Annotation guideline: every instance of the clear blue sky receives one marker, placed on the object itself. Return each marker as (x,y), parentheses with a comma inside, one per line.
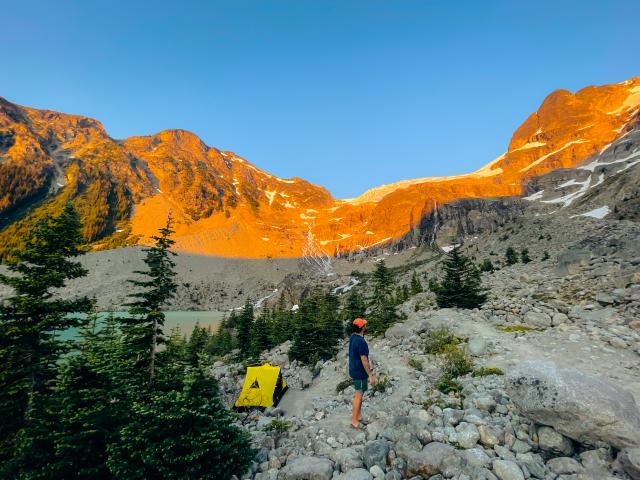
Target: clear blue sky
(346,94)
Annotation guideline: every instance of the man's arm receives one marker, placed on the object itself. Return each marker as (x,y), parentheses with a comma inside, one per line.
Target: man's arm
(365,364)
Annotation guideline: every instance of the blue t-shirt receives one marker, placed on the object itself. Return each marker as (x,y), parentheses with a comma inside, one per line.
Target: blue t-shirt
(357,347)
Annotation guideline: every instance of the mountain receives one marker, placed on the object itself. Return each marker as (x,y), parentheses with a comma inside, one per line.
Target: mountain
(225,206)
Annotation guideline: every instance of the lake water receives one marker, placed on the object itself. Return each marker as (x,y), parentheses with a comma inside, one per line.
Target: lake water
(184,319)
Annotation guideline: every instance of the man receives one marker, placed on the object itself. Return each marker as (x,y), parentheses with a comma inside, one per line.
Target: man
(359,369)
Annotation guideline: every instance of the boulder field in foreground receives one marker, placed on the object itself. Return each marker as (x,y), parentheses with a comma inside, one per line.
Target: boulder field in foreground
(581,406)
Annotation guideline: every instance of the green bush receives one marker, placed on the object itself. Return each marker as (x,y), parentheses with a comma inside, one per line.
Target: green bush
(417,364)
(518,328)
(343,385)
(277,426)
(439,340)
(456,362)
(485,371)
(381,385)
(446,384)
(486,266)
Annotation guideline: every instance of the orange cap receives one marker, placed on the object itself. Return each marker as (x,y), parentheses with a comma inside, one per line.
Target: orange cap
(359,322)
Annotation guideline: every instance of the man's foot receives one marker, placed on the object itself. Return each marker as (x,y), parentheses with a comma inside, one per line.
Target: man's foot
(357,426)
(362,421)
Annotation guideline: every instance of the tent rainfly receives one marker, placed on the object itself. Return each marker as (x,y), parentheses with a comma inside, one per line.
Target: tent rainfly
(263,387)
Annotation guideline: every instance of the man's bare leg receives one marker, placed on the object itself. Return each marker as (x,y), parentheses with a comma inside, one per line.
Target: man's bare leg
(356,408)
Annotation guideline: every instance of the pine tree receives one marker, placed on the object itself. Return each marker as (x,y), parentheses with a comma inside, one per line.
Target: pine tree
(243,330)
(486,266)
(305,345)
(461,286)
(32,319)
(260,335)
(416,286)
(280,324)
(524,255)
(511,256)
(176,346)
(328,320)
(383,311)
(143,330)
(181,434)
(197,344)
(354,307)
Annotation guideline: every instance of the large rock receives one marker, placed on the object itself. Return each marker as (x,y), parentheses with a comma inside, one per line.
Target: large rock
(552,441)
(580,406)
(572,261)
(537,319)
(629,458)
(376,453)
(467,434)
(307,468)
(507,470)
(430,461)
(398,331)
(346,458)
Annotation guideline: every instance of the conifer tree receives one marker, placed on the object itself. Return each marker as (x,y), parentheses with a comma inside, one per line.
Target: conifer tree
(176,346)
(416,286)
(461,286)
(143,330)
(328,319)
(196,345)
(280,324)
(305,345)
(32,318)
(511,256)
(524,255)
(383,311)
(243,329)
(182,433)
(354,307)
(260,335)
(486,266)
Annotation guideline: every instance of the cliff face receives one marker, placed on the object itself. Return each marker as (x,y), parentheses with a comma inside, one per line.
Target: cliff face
(223,205)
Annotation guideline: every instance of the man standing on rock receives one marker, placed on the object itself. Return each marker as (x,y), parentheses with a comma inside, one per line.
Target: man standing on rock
(359,369)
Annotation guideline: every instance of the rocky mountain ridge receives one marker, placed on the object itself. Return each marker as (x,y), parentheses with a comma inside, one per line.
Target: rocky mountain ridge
(225,206)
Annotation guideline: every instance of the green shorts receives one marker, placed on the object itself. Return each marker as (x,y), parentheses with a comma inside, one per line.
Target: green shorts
(361,385)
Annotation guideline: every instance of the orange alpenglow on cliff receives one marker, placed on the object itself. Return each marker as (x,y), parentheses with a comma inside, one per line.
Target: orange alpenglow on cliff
(225,206)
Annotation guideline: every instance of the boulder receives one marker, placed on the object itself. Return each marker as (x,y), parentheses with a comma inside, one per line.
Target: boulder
(488,437)
(376,453)
(580,406)
(346,458)
(552,441)
(468,435)
(430,460)
(398,331)
(572,261)
(537,319)
(564,466)
(507,470)
(629,458)
(307,468)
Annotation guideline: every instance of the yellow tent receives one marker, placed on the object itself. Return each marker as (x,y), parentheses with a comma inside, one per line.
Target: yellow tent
(263,387)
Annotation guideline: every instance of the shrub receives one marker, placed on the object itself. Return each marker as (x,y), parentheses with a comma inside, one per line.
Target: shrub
(456,362)
(343,385)
(439,340)
(545,255)
(486,266)
(446,384)
(277,426)
(518,328)
(485,371)
(381,385)
(417,364)
(511,256)
(524,255)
